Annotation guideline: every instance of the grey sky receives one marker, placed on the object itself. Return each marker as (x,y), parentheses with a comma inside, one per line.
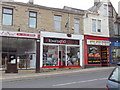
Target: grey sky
(80,4)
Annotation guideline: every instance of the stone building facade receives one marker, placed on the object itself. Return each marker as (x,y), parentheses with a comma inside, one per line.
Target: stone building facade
(114,27)
(45,18)
(27,30)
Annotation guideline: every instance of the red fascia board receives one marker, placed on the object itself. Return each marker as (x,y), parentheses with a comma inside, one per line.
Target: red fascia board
(96,37)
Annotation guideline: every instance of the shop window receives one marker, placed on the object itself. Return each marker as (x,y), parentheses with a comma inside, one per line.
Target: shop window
(116,54)
(73,56)
(76,26)
(94,55)
(104,55)
(32,19)
(7,16)
(50,55)
(57,23)
(23,50)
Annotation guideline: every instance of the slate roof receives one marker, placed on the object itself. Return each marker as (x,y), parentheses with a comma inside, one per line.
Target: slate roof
(95,8)
(81,12)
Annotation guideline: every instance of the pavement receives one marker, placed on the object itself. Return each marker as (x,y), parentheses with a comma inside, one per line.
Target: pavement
(26,74)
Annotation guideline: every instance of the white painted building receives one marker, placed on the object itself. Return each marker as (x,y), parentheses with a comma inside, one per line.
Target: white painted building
(96,19)
(96,31)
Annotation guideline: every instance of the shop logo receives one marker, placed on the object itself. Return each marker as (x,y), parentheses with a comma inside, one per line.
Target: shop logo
(6,33)
(98,42)
(25,34)
(61,41)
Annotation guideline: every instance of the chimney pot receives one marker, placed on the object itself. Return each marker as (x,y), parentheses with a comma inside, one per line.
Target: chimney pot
(96,1)
(31,2)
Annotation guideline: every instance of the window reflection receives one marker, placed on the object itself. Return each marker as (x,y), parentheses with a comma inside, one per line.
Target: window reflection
(73,55)
(7,16)
(116,54)
(32,19)
(24,51)
(50,55)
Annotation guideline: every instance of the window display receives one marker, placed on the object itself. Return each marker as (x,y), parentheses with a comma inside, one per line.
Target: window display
(94,55)
(61,52)
(73,55)
(54,55)
(116,54)
(50,55)
(104,55)
(21,50)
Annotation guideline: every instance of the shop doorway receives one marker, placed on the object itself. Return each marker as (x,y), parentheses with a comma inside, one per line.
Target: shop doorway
(104,55)
(62,56)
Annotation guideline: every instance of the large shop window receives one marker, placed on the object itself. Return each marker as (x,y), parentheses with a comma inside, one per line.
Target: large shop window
(22,50)
(50,55)
(73,56)
(94,55)
(98,55)
(61,55)
(116,54)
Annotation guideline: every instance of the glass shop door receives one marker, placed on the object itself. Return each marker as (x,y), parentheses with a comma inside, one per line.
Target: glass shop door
(62,55)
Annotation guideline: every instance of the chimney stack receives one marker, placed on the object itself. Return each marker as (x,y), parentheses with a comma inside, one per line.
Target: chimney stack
(119,8)
(96,2)
(31,2)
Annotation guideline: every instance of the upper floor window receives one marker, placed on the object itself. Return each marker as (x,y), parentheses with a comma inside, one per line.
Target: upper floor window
(93,25)
(105,10)
(99,26)
(57,23)
(119,29)
(76,26)
(116,29)
(7,16)
(96,25)
(110,9)
(32,19)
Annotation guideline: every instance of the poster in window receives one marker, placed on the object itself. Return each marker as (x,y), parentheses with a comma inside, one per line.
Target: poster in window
(93,55)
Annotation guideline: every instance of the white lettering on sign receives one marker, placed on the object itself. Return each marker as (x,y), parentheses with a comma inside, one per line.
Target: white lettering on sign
(98,42)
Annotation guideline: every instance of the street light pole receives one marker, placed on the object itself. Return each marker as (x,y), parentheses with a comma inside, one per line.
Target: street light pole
(38,56)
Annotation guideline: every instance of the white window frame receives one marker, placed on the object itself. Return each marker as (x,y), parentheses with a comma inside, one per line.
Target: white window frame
(116,29)
(7,14)
(96,26)
(105,11)
(76,25)
(57,22)
(32,17)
